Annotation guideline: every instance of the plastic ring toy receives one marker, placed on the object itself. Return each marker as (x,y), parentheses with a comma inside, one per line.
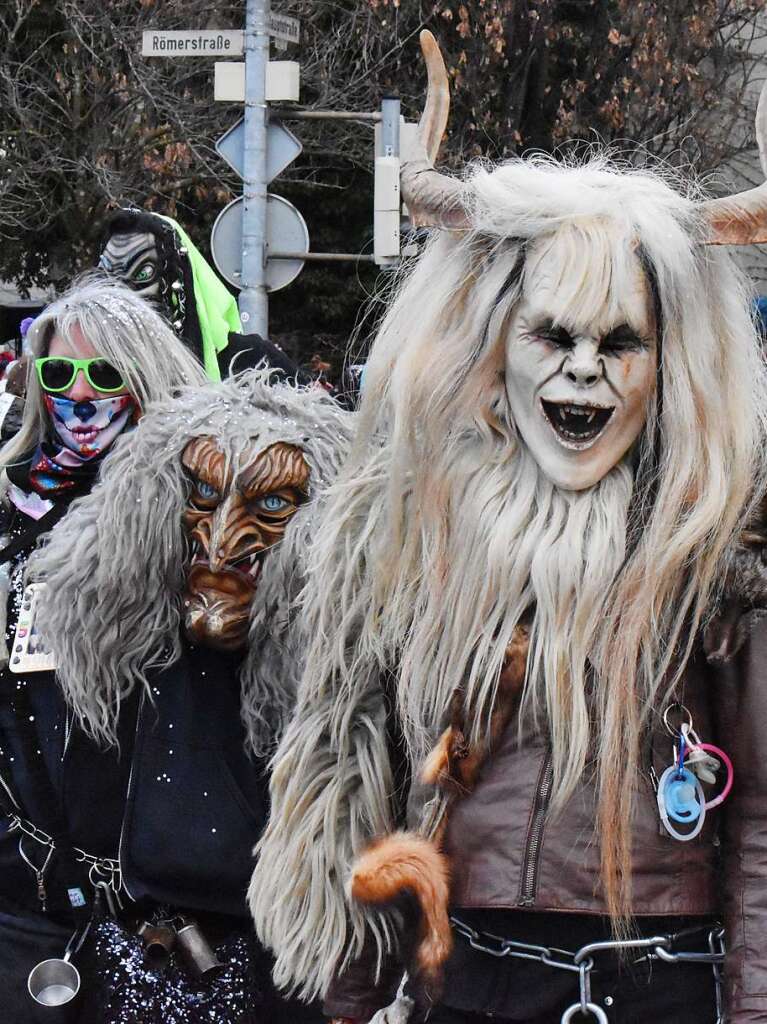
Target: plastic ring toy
(724,758)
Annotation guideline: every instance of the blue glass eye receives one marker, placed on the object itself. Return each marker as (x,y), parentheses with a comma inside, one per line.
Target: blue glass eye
(272,503)
(206,490)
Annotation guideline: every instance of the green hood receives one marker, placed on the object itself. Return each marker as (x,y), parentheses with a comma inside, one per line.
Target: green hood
(216,306)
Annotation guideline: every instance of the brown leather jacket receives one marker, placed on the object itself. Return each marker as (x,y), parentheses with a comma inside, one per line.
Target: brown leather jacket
(507,851)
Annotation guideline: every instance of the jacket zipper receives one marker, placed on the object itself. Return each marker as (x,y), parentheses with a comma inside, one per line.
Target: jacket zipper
(127,796)
(535,834)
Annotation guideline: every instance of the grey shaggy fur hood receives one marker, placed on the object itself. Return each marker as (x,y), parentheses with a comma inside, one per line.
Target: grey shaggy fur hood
(115,564)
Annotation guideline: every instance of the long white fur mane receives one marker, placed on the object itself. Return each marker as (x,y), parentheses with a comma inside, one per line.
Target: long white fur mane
(441,531)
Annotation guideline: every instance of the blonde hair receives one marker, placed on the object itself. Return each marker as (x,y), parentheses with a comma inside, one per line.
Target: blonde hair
(123,328)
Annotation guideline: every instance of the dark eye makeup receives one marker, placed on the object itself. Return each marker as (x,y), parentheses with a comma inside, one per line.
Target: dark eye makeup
(622,339)
(555,335)
(617,341)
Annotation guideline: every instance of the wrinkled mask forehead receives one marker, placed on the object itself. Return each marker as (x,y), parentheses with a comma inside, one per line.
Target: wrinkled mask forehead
(133,258)
(581,355)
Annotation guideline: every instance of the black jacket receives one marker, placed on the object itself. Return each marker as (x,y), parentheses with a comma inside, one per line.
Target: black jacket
(179,802)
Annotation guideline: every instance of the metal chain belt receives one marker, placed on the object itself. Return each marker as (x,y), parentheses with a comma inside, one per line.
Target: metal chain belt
(100,869)
(581,962)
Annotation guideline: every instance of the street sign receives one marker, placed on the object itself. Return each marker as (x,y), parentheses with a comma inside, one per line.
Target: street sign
(282,148)
(213,42)
(284,28)
(286,231)
(283,78)
(193,43)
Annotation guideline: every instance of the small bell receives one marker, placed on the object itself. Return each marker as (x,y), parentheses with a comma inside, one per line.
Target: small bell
(196,950)
(178,324)
(159,942)
(177,286)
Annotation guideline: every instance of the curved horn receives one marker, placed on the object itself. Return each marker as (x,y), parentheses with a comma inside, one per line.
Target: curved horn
(433,121)
(742,219)
(432,199)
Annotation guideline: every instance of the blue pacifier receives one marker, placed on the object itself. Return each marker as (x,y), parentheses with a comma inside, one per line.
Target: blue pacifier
(680,797)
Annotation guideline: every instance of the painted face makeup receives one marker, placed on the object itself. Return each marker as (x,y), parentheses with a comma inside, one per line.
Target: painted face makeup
(134,259)
(89,428)
(579,380)
(232,520)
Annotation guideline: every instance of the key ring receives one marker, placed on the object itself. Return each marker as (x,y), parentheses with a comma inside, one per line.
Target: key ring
(677,706)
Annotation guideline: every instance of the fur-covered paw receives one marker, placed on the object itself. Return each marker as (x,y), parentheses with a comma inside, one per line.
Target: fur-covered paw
(406,863)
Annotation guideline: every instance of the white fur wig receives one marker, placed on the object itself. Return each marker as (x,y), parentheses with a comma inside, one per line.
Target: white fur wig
(116,563)
(442,531)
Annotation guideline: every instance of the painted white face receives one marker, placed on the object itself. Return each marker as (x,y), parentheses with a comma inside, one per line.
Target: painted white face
(579,385)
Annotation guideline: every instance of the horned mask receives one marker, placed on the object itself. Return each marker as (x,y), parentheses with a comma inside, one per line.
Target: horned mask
(581,371)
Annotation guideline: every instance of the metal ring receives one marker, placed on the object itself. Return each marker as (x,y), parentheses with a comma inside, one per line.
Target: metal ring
(596,1012)
(676,706)
(585,984)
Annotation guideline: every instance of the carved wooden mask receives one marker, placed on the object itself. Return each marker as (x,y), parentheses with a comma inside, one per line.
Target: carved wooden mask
(235,515)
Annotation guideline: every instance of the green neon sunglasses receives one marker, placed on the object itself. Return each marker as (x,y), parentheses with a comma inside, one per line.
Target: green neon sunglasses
(58,373)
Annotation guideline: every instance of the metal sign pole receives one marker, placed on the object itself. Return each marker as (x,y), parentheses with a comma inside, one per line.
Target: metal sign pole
(254,301)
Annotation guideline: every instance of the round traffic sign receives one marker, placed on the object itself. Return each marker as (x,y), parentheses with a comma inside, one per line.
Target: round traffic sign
(286,231)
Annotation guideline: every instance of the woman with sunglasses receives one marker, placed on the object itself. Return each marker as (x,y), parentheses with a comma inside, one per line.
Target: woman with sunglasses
(99,356)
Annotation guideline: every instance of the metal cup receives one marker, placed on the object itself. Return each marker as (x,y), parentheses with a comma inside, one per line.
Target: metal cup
(54,982)
(197,952)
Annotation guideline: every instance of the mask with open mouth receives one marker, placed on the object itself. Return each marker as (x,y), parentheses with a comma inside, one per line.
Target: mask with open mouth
(577,425)
(579,376)
(234,516)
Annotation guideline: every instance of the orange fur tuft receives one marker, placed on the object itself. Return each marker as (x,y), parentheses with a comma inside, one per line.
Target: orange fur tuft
(403,862)
(438,761)
(438,767)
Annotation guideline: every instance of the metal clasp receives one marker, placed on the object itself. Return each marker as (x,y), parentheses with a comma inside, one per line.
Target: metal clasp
(591,1008)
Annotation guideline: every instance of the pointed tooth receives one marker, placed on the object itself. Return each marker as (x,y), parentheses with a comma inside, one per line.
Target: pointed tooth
(591,416)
